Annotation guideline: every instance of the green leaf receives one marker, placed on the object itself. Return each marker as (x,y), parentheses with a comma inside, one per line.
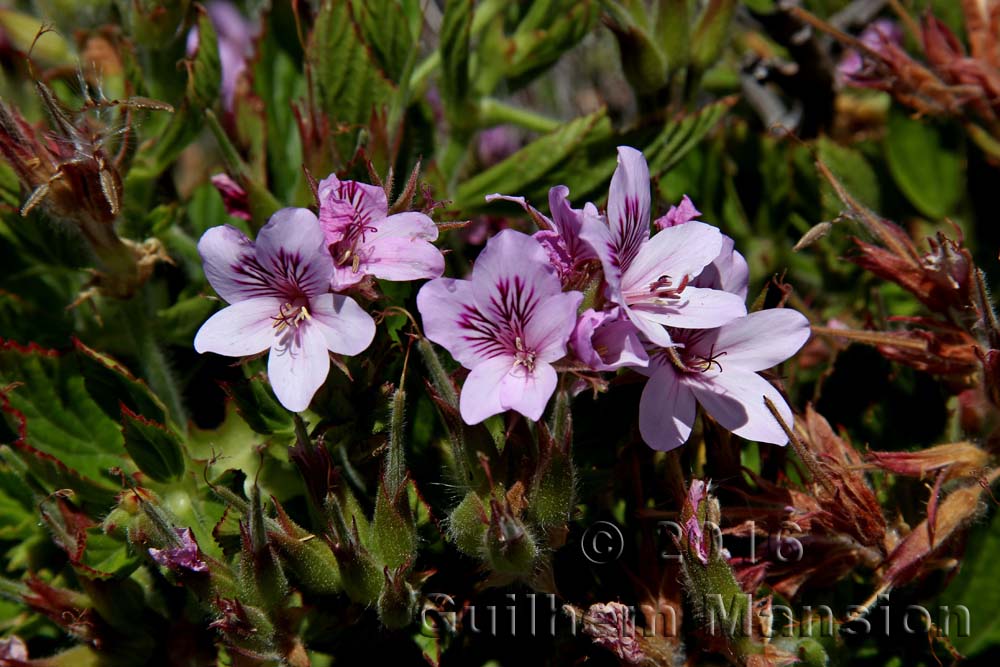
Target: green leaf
(528,171)
(62,435)
(387,27)
(256,403)
(925,162)
(853,171)
(348,84)
(456,27)
(682,133)
(975,589)
(155,448)
(111,385)
(547,31)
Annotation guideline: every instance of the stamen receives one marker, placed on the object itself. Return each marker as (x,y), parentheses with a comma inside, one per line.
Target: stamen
(523,357)
(289,316)
(664,288)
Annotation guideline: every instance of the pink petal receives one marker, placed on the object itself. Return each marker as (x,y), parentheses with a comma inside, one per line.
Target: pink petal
(729,271)
(409,225)
(620,345)
(480,396)
(229,258)
(528,392)
(762,339)
(697,308)
(677,252)
(347,328)
(298,365)
(447,307)
(541,220)
(666,411)
(569,222)
(548,332)
(735,399)
(400,258)
(628,205)
(678,215)
(343,203)
(511,276)
(239,330)
(292,247)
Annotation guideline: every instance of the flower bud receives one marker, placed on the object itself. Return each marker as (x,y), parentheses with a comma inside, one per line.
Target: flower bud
(510,546)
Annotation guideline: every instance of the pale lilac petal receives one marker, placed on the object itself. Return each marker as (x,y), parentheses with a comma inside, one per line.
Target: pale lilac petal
(696,308)
(666,411)
(676,252)
(678,215)
(762,339)
(652,330)
(292,247)
(619,345)
(528,392)
(409,224)
(735,399)
(628,205)
(234,197)
(547,333)
(596,234)
(511,276)
(729,271)
(345,203)
(480,397)
(345,276)
(347,328)
(239,330)
(398,258)
(298,365)
(556,248)
(605,342)
(231,267)
(451,320)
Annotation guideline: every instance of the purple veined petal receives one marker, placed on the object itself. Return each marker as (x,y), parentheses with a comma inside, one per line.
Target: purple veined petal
(298,365)
(343,203)
(230,262)
(556,249)
(581,340)
(547,333)
(735,399)
(480,397)
(676,252)
(528,392)
(409,225)
(543,221)
(596,234)
(447,307)
(398,258)
(292,247)
(568,223)
(628,206)
(666,411)
(239,330)
(511,276)
(619,346)
(697,308)
(761,339)
(345,325)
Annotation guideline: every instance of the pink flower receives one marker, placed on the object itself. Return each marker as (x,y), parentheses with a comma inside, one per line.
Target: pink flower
(678,215)
(882,37)
(186,556)
(605,341)
(560,234)
(365,240)
(650,278)
(506,325)
(236,36)
(234,196)
(718,369)
(728,272)
(279,291)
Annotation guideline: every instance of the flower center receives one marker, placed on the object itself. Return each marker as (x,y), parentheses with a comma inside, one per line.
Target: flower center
(290,316)
(664,287)
(523,356)
(690,362)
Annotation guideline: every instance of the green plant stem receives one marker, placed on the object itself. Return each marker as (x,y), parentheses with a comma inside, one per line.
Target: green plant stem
(495,112)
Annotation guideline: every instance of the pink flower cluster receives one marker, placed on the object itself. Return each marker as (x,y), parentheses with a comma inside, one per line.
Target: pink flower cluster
(284,289)
(671,305)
